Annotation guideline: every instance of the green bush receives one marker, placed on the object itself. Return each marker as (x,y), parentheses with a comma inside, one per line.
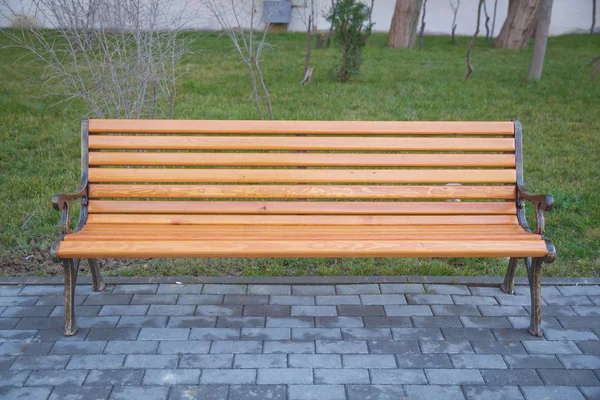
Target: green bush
(351,30)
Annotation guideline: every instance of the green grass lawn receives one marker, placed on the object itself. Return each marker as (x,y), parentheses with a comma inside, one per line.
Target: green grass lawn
(560,114)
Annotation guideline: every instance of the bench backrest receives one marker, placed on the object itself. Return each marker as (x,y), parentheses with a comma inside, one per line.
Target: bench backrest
(300,173)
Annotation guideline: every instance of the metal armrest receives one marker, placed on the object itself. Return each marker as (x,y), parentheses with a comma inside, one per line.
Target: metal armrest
(60,200)
(541,202)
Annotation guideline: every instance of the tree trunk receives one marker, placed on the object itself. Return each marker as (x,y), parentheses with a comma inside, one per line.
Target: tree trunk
(541,37)
(519,25)
(403,31)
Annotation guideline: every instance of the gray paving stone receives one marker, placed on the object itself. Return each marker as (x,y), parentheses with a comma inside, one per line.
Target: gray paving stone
(50,300)
(316,333)
(131,347)
(407,311)
(452,309)
(142,322)
(584,290)
(510,377)
(387,322)
(565,377)
(79,347)
(591,392)
(546,291)
(315,360)
(260,361)
(154,377)
(444,346)
(214,334)
(551,392)
(485,322)
(418,299)
(567,300)
(570,334)
(342,346)
(454,377)
(41,290)
(478,361)
(266,334)
(526,361)
(17,334)
(6,362)
(56,378)
(192,322)
(472,334)
(171,310)
(493,393)
(383,299)
(396,376)
(241,322)
(244,299)
(589,346)
(169,288)
(423,361)
(135,289)
(271,290)
(184,347)
(292,300)
(39,362)
(80,393)
(139,392)
(375,392)
(393,346)
(8,323)
(272,311)
(555,311)
(151,361)
(366,333)
(448,289)
(401,288)
(580,361)
(154,299)
(313,311)
(316,392)
(313,290)
(288,376)
(164,334)
(340,299)
(13,378)
(437,322)
(357,289)
(586,311)
(119,377)
(96,361)
(224,289)
(524,322)
(502,311)
(339,322)
(10,290)
(354,310)
(290,322)
(200,299)
(18,348)
(554,347)
(82,311)
(108,299)
(514,335)
(27,311)
(577,322)
(368,361)
(204,361)
(113,334)
(516,300)
(254,392)
(500,347)
(13,393)
(475,300)
(330,376)
(236,346)
(417,334)
(123,310)
(18,301)
(232,310)
(288,347)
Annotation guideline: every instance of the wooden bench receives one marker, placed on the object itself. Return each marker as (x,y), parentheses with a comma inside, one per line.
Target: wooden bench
(301,189)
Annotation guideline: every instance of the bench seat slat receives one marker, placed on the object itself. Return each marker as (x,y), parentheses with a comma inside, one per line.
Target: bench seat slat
(130,175)
(210,219)
(302,248)
(301,191)
(300,159)
(303,127)
(295,207)
(128,142)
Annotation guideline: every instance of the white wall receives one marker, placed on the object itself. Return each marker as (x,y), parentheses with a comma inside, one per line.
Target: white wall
(568,16)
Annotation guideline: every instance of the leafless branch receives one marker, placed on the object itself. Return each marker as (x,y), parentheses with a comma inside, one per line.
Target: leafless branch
(455,13)
(487,20)
(469,66)
(422,31)
(494,18)
(594,6)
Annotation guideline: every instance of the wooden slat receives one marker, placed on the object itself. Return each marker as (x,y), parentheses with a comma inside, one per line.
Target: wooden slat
(130,175)
(210,219)
(302,248)
(293,207)
(302,127)
(300,191)
(98,142)
(300,159)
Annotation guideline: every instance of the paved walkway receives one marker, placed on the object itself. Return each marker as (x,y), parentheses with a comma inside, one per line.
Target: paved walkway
(362,341)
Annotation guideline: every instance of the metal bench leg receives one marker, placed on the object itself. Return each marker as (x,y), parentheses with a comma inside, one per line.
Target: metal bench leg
(97,282)
(509,280)
(70,267)
(534,273)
